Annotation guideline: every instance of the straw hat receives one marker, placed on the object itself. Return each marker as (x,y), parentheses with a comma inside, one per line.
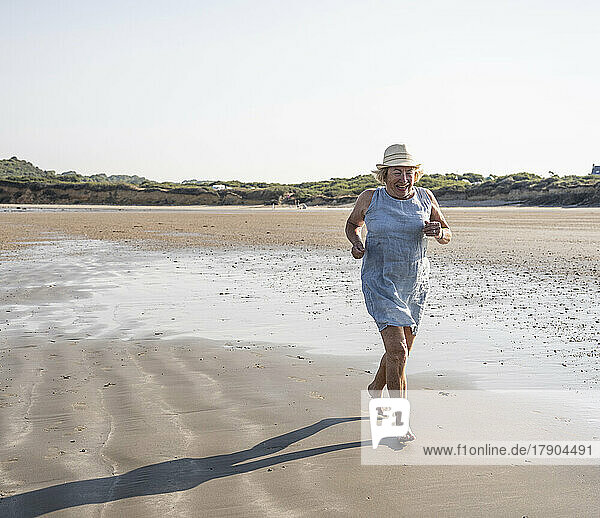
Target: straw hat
(397,155)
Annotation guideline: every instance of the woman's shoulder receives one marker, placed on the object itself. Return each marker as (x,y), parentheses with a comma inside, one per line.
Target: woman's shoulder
(362,204)
(371,190)
(367,194)
(426,194)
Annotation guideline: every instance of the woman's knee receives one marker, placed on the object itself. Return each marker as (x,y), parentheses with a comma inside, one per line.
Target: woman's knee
(397,353)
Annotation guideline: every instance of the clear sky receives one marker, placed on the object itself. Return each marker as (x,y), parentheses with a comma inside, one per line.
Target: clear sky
(299,90)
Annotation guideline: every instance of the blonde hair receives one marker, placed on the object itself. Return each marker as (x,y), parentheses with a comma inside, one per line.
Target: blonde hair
(381,174)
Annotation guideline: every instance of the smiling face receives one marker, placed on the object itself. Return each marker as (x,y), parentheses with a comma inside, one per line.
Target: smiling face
(399,181)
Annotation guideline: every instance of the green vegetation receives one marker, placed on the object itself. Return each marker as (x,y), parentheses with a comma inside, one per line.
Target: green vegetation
(17,170)
(526,187)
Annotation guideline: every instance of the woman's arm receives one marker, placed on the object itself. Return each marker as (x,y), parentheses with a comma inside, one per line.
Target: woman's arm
(438,226)
(356,220)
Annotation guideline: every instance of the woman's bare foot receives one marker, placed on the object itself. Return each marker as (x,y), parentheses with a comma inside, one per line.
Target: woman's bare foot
(409,436)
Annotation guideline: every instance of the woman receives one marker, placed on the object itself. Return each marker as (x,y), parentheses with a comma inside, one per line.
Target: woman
(395,270)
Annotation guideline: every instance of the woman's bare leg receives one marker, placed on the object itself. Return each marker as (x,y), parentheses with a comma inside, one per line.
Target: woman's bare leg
(396,351)
(376,386)
(398,342)
(410,338)
(378,383)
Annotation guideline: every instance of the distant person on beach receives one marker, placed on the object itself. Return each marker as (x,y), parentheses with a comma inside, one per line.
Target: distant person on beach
(395,269)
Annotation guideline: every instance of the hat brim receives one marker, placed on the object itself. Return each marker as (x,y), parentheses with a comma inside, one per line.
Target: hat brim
(396,163)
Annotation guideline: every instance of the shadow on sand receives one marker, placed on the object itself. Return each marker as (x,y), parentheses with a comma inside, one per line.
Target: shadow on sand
(170,476)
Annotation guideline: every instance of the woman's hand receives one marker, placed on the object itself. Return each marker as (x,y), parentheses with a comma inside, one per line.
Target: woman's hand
(358,250)
(432,229)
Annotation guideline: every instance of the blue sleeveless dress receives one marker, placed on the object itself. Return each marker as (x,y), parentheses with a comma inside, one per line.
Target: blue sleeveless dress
(395,270)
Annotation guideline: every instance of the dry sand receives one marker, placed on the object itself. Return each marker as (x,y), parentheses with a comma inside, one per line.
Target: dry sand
(552,238)
(166,425)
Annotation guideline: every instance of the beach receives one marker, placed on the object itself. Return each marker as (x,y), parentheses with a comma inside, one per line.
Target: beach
(209,361)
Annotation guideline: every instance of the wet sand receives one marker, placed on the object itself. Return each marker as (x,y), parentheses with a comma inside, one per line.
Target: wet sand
(106,411)
(155,427)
